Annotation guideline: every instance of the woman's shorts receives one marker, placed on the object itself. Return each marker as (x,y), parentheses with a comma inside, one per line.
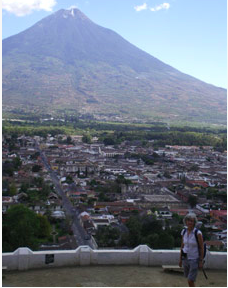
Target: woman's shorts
(191,267)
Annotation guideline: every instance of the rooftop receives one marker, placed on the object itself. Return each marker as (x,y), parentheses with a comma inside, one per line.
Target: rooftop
(108,276)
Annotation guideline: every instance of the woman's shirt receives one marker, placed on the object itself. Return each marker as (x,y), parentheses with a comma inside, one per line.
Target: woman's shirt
(190,244)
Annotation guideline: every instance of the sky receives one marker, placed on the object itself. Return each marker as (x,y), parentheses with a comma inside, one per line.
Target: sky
(190,35)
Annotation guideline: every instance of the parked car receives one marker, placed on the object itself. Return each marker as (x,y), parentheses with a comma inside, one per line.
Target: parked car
(87,237)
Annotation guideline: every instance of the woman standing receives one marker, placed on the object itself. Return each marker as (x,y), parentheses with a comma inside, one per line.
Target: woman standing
(191,256)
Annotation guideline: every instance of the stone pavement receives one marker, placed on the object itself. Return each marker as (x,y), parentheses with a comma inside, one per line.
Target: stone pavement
(108,276)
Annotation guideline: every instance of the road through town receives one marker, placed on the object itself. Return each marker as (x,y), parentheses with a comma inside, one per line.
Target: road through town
(79,232)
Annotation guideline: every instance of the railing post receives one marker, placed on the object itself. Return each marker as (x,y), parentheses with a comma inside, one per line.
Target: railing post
(144,255)
(23,255)
(85,256)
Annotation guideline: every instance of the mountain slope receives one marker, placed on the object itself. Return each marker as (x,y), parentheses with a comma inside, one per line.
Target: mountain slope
(66,61)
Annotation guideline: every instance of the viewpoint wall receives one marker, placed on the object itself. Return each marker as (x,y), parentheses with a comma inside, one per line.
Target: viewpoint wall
(24,258)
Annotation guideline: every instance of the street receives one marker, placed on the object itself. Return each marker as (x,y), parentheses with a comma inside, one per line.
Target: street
(72,212)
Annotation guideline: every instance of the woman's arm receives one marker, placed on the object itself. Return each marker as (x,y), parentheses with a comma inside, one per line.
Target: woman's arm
(182,246)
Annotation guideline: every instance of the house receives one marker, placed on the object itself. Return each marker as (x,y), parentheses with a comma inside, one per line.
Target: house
(116,207)
(101,222)
(38,207)
(89,226)
(58,215)
(7,202)
(53,196)
(110,152)
(55,205)
(183,194)
(124,217)
(113,204)
(74,194)
(220,215)
(197,183)
(21,197)
(67,242)
(215,244)
(184,211)
(164,213)
(76,138)
(204,207)
(83,217)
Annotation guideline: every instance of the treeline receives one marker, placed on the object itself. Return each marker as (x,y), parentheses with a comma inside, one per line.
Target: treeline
(74,122)
(114,134)
(157,234)
(141,230)
(150,231)
(17,129)
(167,138)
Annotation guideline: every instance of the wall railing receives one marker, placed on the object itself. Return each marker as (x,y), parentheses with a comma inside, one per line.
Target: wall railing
(24,259)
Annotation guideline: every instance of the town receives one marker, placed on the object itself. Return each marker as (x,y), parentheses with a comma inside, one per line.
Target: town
(91,193)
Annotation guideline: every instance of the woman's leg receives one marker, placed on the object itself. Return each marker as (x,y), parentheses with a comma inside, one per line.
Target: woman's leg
(193,271)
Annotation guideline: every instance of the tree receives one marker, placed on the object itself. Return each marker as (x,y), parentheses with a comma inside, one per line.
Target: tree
(69,140)
(178,218)
(12,190)
(38,181)
(35,155)
(147,159)
(44,227)
(17,163)
(134,235)
(204,230)
(7,169)
(93,182)
(109,141)
(151,225)
(122,180)
(69,179)
(48,214)
(153,240)
(183,178)
(192,200)
(194,168)
(36,168)
(167,175)
(20,228)
(102,197)
(175,231)
(166,241)
(106,236)
(86,139)
(5,187)
(24,187)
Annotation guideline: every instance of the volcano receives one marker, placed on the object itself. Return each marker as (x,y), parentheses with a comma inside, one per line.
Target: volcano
(66,62)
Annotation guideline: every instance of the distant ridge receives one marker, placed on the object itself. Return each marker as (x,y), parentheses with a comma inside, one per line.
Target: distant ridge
(66,61)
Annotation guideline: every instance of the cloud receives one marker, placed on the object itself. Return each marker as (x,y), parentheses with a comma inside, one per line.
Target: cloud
(160,7)
(144,6)
(25,7)
(72,7)
(140,8)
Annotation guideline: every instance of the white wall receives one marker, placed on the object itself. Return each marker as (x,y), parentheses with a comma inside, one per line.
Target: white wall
(24,258)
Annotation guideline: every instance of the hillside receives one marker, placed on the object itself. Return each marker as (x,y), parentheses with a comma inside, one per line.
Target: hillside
(67,62)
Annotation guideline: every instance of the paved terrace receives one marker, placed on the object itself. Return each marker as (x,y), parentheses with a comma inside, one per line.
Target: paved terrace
(108,276)
(84,267)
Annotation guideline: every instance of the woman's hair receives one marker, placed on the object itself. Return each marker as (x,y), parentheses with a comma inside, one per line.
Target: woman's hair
(190,216)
